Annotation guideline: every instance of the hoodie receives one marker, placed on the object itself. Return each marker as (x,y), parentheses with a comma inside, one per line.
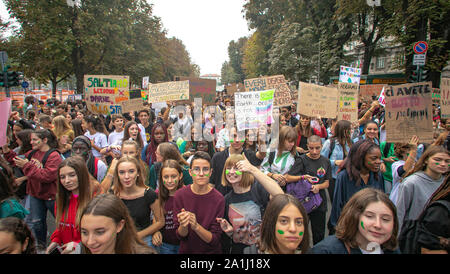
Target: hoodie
(413,195)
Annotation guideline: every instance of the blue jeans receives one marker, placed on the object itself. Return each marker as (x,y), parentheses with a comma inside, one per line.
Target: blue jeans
(168,249)
(38,220)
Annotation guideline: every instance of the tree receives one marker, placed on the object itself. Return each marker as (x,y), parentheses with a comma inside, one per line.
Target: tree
(227,73)
(253,55)
(236,56)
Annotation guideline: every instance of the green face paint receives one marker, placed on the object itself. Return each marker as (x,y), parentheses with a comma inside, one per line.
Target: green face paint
(238,172)
(175,181)
(437,164)
(227,171)
(243,140)
(206,174)
(232,140)
(362,225)
(301,233)
(195,175)
(369,163)
(281,232)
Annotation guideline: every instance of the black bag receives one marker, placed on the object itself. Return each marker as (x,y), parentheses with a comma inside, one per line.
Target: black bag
(408,237)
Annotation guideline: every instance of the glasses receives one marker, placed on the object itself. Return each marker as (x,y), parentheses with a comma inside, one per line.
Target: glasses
(205,170)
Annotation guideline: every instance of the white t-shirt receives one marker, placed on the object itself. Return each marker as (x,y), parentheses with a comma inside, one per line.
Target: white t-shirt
(115,138)
(100,141)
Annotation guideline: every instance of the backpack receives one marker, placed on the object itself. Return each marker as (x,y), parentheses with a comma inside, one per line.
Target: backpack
(332,145)
(22,190)
(409,235)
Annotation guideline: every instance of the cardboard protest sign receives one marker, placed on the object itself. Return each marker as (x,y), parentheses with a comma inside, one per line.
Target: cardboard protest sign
(105,93)
(253,109)
(315,100)
(5,111)
(200,88)
(366,92)
(135,102)
(409,112)
(348,102)
(282,95)
(233,88)
(445,98)
(349,75)
(168,91)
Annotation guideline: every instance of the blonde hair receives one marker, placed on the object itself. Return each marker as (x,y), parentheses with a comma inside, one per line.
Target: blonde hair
(247,178)
(60,126)
(117,186)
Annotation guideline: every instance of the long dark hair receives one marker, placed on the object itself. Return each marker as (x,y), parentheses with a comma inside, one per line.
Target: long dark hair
(355,160)
(126,134)
(77,128)
(97,123)
(25,137)
(152,146)
(52,141)
(163,192)
(342,133)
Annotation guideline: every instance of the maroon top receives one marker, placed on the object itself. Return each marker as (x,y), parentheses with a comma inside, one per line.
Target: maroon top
(207,208)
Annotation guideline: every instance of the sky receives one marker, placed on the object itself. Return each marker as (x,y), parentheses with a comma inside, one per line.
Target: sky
(205,26)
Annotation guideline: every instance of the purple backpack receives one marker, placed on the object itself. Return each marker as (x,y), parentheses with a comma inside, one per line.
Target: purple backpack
(302,191)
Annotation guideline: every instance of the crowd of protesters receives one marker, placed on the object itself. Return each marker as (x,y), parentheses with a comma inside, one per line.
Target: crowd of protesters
(166,181)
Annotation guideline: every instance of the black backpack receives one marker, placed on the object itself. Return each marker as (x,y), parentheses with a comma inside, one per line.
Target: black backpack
(22,190)
(409,235)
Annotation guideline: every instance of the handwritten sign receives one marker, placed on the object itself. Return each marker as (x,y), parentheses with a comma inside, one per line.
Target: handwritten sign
(348,102)
(315,100)
(409,112)
(349,75)
(5,111)
(135,102)
(233,88)
(253,109)
(367,92)
(169,91)
(282,95)
(382,98)
(445,98)
(104,93)
(200,88)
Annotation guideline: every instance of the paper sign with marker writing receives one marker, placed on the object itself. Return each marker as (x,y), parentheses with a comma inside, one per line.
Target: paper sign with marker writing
(105,93)
(348,102)
(445,98)
(168,91)
(315,101)
(349,75)
(253,109)
(5,110)
(409,111)
(282,96)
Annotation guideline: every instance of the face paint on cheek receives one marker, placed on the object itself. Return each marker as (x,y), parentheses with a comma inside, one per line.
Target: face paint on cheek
(243,140)
(206,174)
(301,233)
(227,172)
(362,225)
(369,162)
(238,172)
(281,232)
(437,164)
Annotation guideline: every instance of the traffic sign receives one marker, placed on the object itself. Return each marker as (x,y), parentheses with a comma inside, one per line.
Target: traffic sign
(419,59)
(25,84)
(420,47)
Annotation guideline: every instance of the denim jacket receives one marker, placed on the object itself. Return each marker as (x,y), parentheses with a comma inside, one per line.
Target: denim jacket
(337,154)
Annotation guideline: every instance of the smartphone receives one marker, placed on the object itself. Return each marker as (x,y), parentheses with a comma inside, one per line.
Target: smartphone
(56,250)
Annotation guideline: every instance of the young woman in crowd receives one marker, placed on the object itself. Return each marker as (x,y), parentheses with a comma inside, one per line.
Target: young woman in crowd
(132,133)
(421,182)
(16,237)
(245,204)
(361,169)
(96,132)
(77,127)
(370,133)
(74,192)
(109,215)
(171,178)
(166,151)
(40,166)
(277,163)
(81,146)
(140,200)
(405,160)
(304,130)
(64,133)
(336,149)
(159,135)
(368,225)
(284,229)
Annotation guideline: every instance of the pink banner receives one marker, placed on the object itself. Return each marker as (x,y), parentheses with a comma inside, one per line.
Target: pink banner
(5,111)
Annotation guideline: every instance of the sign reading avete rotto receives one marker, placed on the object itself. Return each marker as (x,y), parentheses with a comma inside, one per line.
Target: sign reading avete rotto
(104,93)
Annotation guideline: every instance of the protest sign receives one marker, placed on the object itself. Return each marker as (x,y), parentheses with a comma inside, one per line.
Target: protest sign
(315,100)
(348,102)
(135,102)
(436,96)
(168,91)
(5,111)
(145,82)
(104,93)
(409,112)
(445,98)
(382,98)
(349,75)
(253,109)
(233,88)
(367,92)
(282,95)
(200,88)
